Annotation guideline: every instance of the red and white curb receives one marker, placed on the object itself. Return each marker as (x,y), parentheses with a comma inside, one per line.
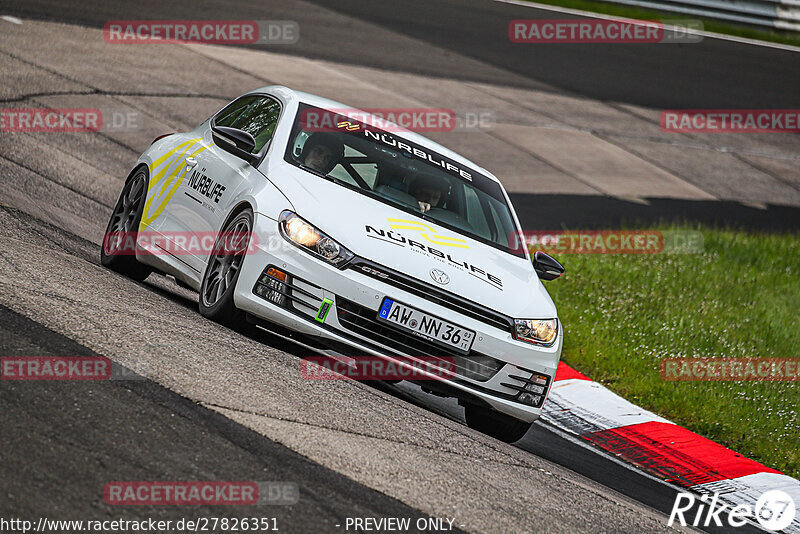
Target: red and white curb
(580,406)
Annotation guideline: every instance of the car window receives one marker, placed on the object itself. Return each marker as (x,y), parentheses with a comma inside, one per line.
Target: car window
(255,114)
(367,171)
(359,169)
(411,177)
(476,215)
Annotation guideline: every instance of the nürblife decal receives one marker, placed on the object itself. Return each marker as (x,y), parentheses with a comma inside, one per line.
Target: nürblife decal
(456,260)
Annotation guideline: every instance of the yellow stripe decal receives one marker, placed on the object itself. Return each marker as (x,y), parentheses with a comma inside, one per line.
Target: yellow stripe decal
(169,179)
(168,173)
(171,158)
(432,236)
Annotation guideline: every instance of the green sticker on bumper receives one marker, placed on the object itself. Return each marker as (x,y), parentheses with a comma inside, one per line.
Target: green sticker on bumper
(323,310)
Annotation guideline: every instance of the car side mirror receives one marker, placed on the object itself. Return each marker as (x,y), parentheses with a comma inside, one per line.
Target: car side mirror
(546,266)
(238,142)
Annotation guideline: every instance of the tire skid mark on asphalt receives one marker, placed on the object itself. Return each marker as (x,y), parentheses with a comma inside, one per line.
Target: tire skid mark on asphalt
(64,168)
(78,247)
(34,95)
(105,92)
(30,183)
(222,409)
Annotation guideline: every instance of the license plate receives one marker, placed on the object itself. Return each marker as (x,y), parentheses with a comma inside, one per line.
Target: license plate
(426,326)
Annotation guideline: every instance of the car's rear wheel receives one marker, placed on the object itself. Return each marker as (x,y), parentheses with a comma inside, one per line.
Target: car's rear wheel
(118,249)
(222,271)
(495,424)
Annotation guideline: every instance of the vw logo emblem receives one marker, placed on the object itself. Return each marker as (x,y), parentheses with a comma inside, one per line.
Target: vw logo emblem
(440,277)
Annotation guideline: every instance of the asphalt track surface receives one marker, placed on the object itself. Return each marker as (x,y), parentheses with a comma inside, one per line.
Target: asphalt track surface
(75,437)
(709,74)
(65,440)
(467,40)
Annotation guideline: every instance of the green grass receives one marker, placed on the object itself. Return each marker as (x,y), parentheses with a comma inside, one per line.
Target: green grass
(711,25)
(740,297)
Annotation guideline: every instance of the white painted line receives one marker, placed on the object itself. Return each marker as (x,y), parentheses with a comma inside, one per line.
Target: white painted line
(703,33)
(13,20)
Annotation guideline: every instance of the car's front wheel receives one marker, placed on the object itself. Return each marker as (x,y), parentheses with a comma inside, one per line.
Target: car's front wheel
(222,271)
(495,424)
(118,251)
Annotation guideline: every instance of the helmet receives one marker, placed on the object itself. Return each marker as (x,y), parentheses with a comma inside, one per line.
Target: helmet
(327,140)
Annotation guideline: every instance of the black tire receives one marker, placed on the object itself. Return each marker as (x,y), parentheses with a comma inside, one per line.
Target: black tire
(222,273)
(124,222)
(495,424)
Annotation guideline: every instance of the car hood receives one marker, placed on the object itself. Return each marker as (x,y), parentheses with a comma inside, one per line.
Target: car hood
(415,246)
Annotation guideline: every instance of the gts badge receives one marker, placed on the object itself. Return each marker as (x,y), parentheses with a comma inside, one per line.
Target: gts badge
(206,186)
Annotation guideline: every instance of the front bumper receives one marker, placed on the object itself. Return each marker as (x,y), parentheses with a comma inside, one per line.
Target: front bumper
(356,298)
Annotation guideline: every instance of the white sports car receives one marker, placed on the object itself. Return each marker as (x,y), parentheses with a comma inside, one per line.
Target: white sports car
(364,241)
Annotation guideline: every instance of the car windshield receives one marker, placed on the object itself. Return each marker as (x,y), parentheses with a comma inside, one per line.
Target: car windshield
(403,174)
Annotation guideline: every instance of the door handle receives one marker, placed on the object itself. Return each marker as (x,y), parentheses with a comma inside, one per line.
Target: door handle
(191,162)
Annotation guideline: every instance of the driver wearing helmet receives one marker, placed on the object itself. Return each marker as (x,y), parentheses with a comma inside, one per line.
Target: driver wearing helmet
(322,152)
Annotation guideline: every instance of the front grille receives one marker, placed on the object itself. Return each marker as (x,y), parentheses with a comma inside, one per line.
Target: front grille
(526,392)
(533,388)
(432,293)
(362,320)
(293,294)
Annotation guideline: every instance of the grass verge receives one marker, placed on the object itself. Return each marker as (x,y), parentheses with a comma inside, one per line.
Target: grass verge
(740,297)
(710,25)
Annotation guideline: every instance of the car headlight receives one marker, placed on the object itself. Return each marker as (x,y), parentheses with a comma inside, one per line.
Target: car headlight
(309,238)
(538,331)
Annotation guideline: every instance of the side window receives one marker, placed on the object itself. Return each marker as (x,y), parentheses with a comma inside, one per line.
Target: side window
(233,110)
(255,114)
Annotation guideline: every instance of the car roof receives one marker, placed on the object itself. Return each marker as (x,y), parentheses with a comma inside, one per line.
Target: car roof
(326,103)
